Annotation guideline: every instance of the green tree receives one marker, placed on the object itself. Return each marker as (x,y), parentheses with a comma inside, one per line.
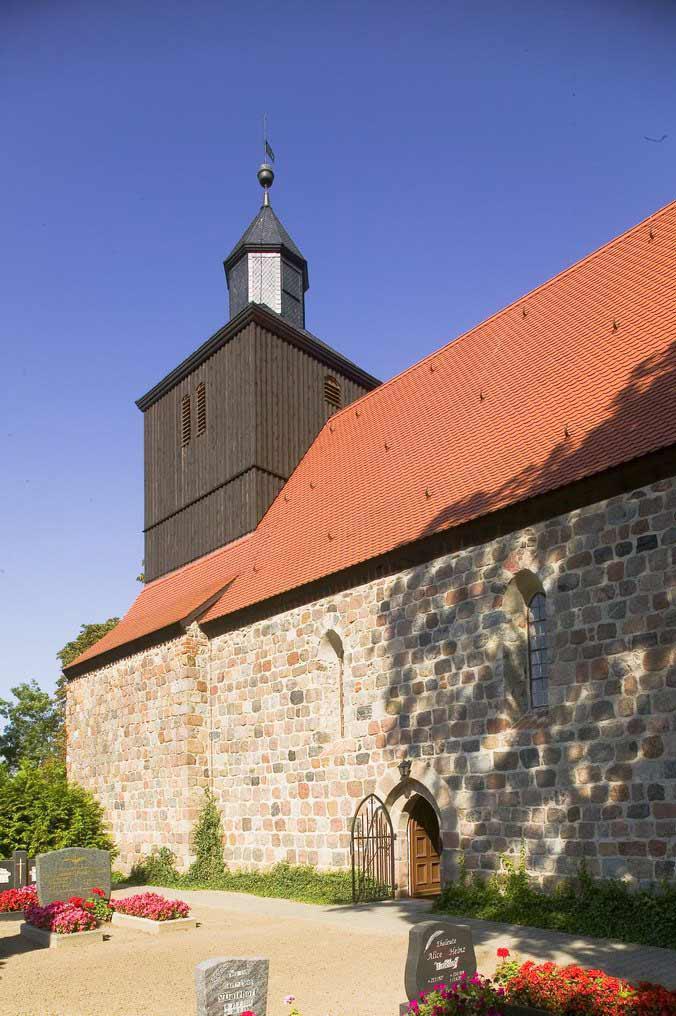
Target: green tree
(89,634)
(41,811)
(32,726)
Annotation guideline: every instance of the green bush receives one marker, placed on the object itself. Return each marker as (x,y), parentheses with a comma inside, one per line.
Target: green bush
(158,868)
(207,843)
(40,811)
(284,881)
(581,906)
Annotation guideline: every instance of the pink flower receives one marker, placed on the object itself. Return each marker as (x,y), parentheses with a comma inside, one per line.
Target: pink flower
(153,906)
(289,999)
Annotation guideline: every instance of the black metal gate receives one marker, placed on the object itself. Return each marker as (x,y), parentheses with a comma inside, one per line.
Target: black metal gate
(372,852)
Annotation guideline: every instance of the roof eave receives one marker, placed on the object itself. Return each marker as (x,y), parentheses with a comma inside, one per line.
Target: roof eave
(266,317)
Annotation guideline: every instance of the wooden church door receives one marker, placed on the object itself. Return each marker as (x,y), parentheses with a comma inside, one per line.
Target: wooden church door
(423,830)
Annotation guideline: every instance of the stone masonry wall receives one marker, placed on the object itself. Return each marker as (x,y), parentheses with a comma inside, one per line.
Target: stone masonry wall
(433,664)
(137,737)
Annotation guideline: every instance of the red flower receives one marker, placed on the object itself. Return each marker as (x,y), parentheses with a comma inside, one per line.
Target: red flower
(503,952)
(98,892)
(77,901)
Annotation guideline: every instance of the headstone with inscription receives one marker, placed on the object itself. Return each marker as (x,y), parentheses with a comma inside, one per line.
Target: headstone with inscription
(438,953)
(74,871)
(228,987)
(15,871)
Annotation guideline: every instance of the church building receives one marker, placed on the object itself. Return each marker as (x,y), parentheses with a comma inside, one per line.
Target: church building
(396,626)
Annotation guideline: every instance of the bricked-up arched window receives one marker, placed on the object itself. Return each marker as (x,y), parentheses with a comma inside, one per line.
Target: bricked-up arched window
(538,651)
(332,693)
(201,393)
(185,421)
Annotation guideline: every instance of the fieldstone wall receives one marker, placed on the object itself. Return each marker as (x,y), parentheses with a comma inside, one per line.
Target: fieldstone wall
(431,663)
(138,738)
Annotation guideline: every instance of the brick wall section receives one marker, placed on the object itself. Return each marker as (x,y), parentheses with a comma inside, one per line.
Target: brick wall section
(433,658)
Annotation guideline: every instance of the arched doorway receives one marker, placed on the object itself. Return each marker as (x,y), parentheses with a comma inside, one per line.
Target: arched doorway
(401,797)
(424,844)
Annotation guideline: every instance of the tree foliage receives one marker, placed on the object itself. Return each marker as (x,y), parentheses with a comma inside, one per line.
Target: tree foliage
(32,726)
(40,811)
(89,634)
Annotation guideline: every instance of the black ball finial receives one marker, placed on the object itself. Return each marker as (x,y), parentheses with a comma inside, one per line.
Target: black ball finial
(266,175)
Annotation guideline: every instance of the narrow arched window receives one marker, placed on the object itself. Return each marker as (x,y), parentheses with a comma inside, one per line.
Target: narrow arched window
(185,421)
(332,392)
(538,651)
(201,393)
(330,658)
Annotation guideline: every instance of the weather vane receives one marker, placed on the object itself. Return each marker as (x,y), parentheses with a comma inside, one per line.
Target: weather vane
(266,174)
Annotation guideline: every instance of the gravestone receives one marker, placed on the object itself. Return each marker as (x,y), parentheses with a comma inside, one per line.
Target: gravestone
(74,871)
(438,953)
(228,987)
(14,872)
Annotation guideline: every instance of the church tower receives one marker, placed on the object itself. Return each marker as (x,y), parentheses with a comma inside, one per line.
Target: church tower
(224,430)
(266,266)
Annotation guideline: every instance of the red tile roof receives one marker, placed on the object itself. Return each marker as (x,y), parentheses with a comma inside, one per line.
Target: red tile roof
(574,378)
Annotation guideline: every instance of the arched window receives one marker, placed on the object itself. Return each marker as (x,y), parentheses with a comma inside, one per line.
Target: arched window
(538,651)
(332,393)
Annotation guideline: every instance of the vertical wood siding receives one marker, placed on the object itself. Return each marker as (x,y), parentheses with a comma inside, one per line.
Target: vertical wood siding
(265,405)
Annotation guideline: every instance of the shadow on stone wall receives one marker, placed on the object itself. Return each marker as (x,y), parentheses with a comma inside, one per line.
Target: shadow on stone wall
(443,691)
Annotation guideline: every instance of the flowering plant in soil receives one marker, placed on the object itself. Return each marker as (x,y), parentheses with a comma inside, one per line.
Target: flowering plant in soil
(76,914)
(63,918)
(573,989)
(97,904)
(12,900)
(153,906)
(468,996)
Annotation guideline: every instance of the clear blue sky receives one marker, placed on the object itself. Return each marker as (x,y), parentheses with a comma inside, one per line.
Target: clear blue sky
(434,161)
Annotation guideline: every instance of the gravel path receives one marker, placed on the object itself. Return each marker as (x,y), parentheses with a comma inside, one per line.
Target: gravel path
(335,960)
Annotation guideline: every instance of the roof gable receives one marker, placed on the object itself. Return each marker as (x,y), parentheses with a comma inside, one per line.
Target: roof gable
(575,378)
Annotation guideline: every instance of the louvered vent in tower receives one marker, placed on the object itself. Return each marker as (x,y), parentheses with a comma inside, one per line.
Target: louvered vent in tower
(185,421)
(201,408)
(332,393)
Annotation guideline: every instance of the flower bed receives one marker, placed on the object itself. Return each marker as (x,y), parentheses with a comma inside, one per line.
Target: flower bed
(16,900)
(585,992)
(152,906)
(546,987)
(62,918)
(76,914)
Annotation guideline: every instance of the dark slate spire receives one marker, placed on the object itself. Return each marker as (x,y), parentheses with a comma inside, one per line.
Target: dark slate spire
(266,266)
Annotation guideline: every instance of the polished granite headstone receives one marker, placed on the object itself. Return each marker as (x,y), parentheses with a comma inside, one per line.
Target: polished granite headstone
(15,871)
(74,871)
(438,953)
(228,987)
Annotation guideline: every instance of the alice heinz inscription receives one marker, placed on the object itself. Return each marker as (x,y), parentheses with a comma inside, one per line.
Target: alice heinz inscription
(438,953)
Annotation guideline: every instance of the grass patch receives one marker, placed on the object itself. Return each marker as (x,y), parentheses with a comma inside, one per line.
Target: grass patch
(581,906)
(283,881)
